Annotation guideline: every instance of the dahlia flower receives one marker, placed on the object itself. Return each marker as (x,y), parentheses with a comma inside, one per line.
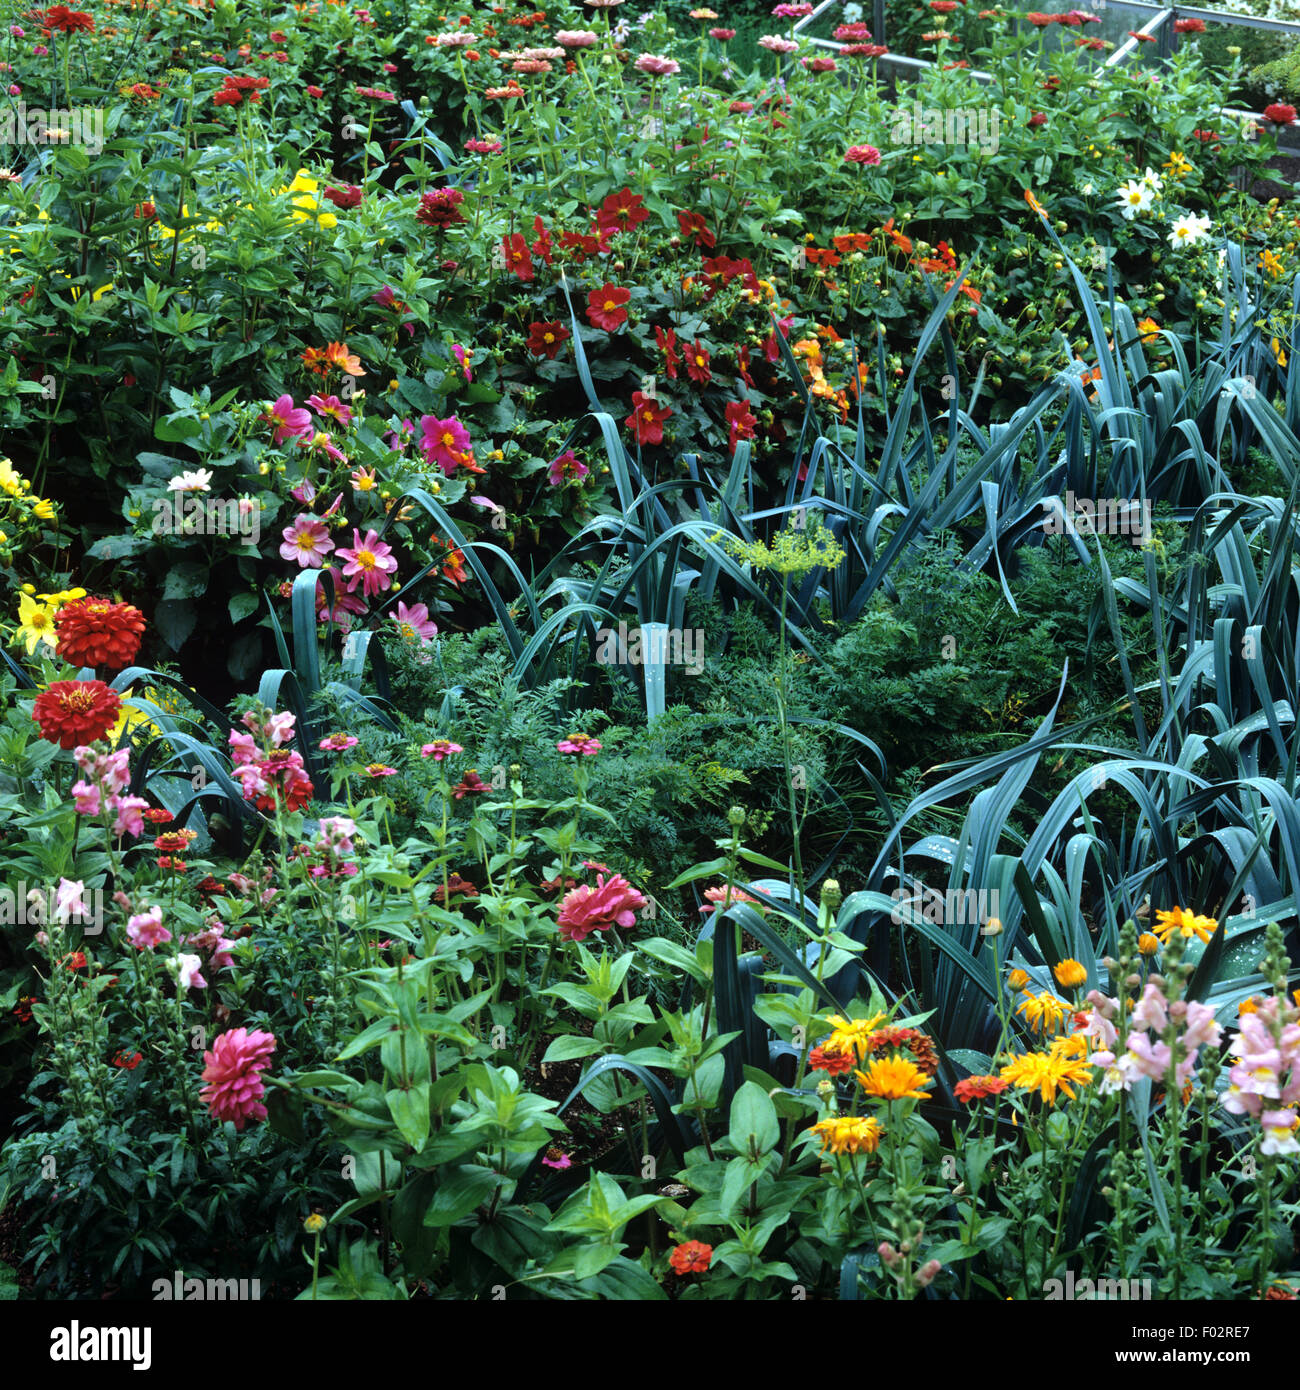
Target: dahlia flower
(235,1088)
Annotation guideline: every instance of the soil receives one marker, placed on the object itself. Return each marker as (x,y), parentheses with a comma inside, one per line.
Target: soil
(1287,184)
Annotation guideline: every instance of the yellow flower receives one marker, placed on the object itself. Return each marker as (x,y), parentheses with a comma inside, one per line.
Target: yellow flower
(10,481)
(131,720)
(850,1034)
(314,1224)
(1279,352)
(1017,980)
(1046,1073)
(1070,973)
(1269,262)
(62,597)
(848,1134)
(893,1078)
(1248,1006)
(1148,944)
(1149,329)
(1188,924)
(307,206)
(1044,1011)
(35,623)
(1178,165)
(44,510)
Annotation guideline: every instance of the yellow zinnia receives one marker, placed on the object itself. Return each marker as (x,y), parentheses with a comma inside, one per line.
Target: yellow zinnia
(1045,1012)
(850,1034)
(848,1134)
(1187,924)
(35,623)
(893,1078)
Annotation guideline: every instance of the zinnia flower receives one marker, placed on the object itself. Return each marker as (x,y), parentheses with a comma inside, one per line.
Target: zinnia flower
(841,1134)
(581,744)
(612,902)
(863,154)
(692,1257)
(73,713)
(979,1088)
(235,1089)
(97,632)
(893,1078)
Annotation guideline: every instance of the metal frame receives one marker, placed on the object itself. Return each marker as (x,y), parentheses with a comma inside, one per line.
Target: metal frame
(1161,23)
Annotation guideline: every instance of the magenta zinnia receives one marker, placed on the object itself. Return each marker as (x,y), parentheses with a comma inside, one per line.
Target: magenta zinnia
(613,902)
(235,1090)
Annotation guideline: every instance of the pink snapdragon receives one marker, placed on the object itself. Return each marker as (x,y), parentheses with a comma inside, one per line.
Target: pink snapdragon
(145,930)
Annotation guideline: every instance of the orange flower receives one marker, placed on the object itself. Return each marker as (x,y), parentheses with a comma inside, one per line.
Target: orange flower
(851,241)
(893,1078)
(324,360)
(901,242)
(692,1257)
(1035,204)
(96,632)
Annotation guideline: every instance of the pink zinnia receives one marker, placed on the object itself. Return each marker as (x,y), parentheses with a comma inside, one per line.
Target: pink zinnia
(307,541)
(863,154)
(145,930)
(338,743)
(370,563)
(445,442)
(613,902)
(439,749)
(235,1090)
(582,744)
(656,66)
(290,421)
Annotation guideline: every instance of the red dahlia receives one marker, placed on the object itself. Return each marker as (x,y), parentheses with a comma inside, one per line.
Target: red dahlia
(98,632)
(605,306)
(73,713)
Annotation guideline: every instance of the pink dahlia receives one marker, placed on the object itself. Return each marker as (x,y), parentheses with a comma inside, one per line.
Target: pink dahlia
(290,422)
(445,442)
(307,541)
(414,623)
(613,902)
(370,563)
(235,1090)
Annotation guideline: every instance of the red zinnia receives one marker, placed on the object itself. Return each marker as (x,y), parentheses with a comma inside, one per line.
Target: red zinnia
(605,307)
(349,196)
(691,1258)
(979,1087)
(647,419)
(69,21)
(73,713)
(1280,113)
(129,1063)
(1189,26)
(97,632)
(546,339)
(831,1059)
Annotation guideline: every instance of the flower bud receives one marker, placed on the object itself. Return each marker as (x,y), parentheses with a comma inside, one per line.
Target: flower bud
(831,895)
(927,1273)
(736,816)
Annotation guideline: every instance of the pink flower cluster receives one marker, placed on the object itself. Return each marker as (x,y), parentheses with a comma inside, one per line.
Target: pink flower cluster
(105,776)
(1266,1072)
(334,842)
(613,902)
(233,1073)
(1147,1056)
(264,766)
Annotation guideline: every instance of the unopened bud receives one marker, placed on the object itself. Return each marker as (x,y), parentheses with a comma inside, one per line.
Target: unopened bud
(831,894)
(736,816)
(927,1273)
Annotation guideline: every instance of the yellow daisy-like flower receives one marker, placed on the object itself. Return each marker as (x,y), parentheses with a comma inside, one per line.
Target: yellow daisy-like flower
(1070,973)
(11,481)
(131,720)
(63,596)
(1017,980)
(1069,1045)
(848,1134)
(1046,1073)
(893,1078)
(35,623)
(1148,944)
(1044,1012)
(44,510)
(1188,924)
(1178,165)
(851,1034)
(1270,263)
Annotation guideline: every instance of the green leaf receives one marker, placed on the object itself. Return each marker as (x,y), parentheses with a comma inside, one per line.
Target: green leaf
(462,1189)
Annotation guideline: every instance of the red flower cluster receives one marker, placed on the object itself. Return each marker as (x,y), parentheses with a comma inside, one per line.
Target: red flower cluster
(613,902)
(693,1257)
(234,90)
(441,208)
(1280,113)
(75,713)
(694,226)
(979,1088)
(98,632)
(349,196)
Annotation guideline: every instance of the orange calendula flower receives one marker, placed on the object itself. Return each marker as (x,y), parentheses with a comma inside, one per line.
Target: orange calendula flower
(1017,980)
(1148,945)
(1046,1073)
(1035,204)
(1070,974)
(1187,924)
(893,1078)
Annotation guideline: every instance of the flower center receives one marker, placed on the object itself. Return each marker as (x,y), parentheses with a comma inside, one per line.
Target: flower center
(366,559)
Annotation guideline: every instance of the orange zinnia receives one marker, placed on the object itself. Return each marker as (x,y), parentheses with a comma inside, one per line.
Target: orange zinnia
(893,1078)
